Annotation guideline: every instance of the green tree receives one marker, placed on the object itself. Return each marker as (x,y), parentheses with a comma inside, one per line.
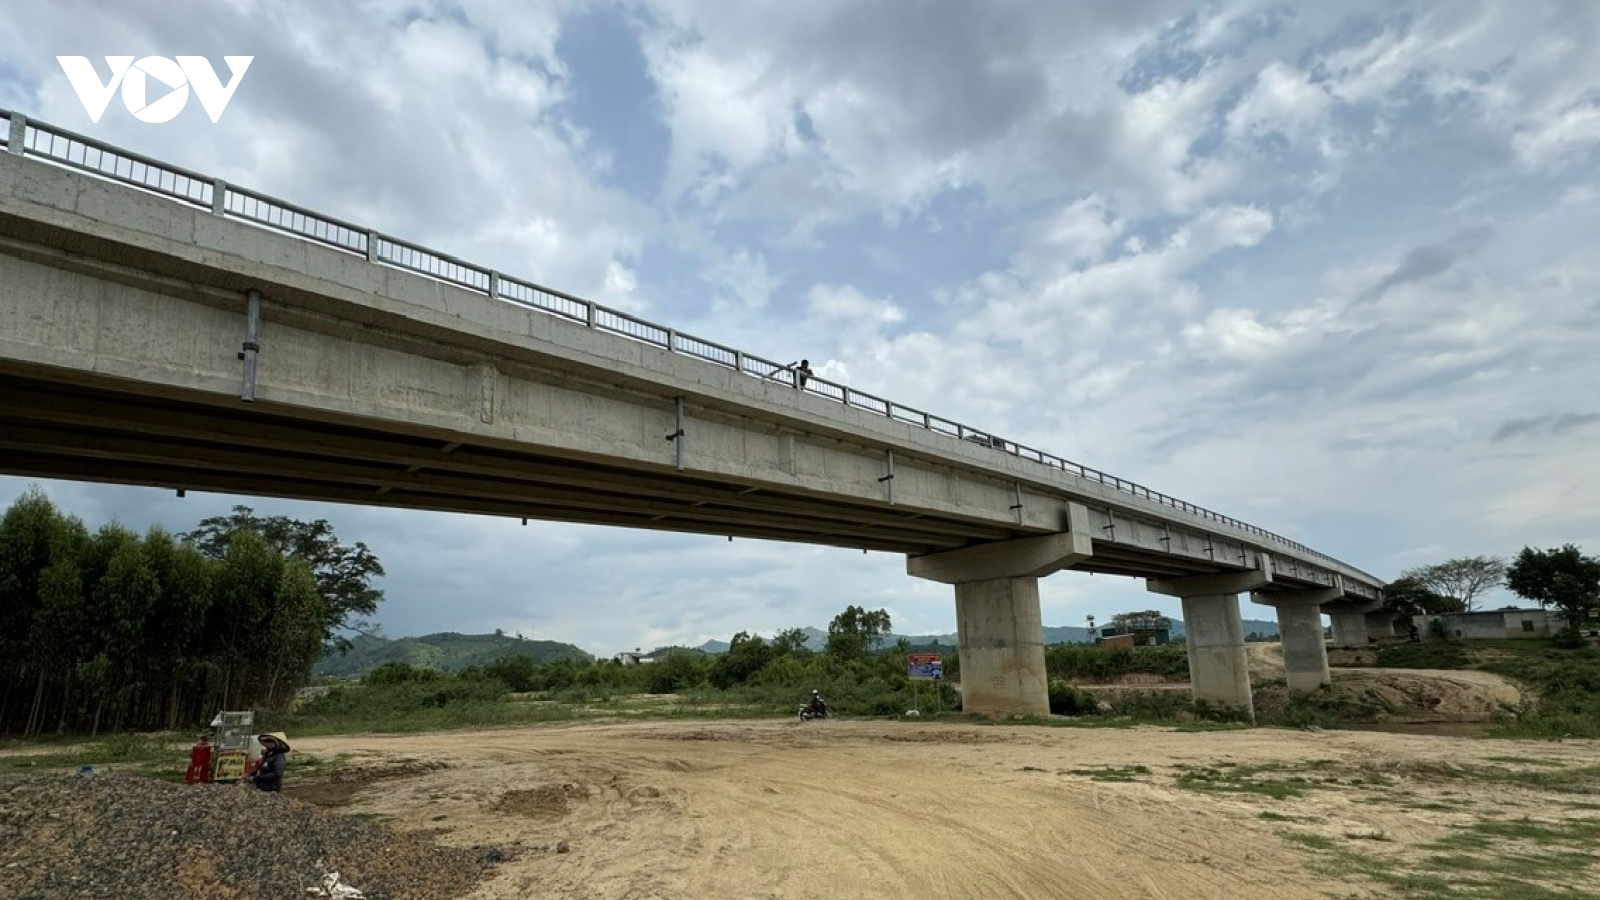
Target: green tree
(1564,578)
(1410,597)
(674,672)
(518,672)
(175,632)
(789,640)
(119,604)
(39,590)
(855,632)
(746,656)
(296,625)
(343,573)
(1141,620)
(1460,579)
(60,624)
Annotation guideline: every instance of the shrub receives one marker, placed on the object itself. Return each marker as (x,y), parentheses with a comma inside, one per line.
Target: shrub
(1066,700)
(399,673)
(677,672)
(1449,655)
(1093,662)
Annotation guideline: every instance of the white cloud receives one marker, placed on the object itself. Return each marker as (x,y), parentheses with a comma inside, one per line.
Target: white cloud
(1282,102)
(1564,137)
(850,307)
(745,276)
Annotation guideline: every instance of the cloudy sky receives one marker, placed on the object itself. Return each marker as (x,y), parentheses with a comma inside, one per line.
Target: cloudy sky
(1329,268)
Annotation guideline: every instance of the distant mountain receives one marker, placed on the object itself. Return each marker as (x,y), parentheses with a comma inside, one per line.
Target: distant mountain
(817,639)
(447,652)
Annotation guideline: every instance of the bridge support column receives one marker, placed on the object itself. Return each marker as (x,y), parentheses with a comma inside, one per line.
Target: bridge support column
(1305,651)
(1000,633)
(1380,623)
(1350,623)
(999,629)
(1219,669)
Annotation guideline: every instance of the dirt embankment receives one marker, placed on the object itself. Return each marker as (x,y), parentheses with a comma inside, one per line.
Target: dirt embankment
(1385,695)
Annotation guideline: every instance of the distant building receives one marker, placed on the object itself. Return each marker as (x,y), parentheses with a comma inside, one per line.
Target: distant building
(632,659)
(1498,624)
(1140,629)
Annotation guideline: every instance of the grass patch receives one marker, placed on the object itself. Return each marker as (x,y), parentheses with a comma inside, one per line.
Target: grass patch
(161,756)
(1430,655)
(1522,761)
(1492,859)
(1242,780)
(1271,816)
(1310,840)
(1111,773)
(1574,780)
(1568,685)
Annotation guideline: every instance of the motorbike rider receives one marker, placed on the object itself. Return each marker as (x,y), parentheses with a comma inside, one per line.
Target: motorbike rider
(816,707)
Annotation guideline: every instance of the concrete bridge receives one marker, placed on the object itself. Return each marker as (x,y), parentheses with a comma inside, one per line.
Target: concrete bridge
(160,327)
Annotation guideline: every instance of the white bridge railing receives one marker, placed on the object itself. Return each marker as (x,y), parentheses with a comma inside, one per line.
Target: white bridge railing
(28,137)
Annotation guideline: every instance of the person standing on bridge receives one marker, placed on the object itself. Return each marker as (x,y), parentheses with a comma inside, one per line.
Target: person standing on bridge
(802,374)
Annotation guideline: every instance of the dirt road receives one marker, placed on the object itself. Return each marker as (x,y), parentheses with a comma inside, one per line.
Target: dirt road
(897,809)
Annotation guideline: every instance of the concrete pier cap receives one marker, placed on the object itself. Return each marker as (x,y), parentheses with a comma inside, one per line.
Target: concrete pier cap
(999,627)
(1219,670)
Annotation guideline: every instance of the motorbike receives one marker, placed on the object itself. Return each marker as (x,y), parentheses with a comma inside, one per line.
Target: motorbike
(807,713)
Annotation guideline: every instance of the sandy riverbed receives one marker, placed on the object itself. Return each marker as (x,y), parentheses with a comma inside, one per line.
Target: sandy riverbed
(896,809)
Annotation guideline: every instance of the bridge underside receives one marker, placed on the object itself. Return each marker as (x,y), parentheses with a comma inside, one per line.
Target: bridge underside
(53,429)
(71,425)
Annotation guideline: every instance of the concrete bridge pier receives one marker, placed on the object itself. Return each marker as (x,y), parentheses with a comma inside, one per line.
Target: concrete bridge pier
(999,629)
(1350,622)
(1305,651)
(1219,670)
(1380,623)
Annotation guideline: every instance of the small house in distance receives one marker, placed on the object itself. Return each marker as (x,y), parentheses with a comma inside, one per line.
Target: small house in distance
(1145,628)
(1498,624)
(632,659)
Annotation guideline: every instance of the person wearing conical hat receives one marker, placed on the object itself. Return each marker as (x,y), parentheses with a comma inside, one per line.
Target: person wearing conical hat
(268,775)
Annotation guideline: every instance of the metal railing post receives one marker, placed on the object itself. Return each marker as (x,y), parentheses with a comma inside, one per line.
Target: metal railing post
(219,197)
(372,246)
(17,141)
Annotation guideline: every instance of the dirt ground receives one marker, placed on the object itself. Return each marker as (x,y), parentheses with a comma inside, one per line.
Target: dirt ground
(777,809)
(1415,695)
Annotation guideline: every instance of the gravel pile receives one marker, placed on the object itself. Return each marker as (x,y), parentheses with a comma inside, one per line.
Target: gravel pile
(109,835)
